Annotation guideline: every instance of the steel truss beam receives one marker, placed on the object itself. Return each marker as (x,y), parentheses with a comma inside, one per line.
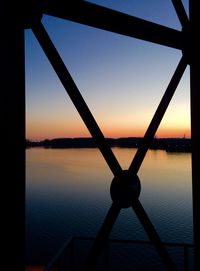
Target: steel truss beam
(194,58)
(103,18)
(88,119)
(114,21)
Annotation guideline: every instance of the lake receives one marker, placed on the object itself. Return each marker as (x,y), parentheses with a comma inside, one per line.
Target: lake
(67,194)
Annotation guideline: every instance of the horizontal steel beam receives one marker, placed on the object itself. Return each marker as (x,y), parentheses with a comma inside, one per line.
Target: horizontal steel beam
(100,17)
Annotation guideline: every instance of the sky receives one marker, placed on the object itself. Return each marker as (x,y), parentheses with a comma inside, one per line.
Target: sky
(122,79)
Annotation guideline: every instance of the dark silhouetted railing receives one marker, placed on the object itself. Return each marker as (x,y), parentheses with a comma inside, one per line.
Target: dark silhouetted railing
(71,255)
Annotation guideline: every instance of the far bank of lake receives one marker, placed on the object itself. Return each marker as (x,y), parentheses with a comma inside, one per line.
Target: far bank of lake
(167,144)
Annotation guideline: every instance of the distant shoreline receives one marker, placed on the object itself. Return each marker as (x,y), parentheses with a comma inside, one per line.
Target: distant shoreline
(167,144)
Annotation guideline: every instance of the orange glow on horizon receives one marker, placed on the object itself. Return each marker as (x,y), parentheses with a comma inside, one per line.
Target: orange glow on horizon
(176,133)
(81,131)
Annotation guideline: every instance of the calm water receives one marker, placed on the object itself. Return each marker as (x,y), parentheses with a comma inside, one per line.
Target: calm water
(67,193)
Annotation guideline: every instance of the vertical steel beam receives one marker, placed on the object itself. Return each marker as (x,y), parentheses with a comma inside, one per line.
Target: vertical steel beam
(194,58)
(12,133)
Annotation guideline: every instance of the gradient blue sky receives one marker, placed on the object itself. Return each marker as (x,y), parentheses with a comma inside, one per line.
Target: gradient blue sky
(122,79)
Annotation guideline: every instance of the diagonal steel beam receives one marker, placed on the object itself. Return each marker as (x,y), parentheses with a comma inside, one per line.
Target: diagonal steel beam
(153,235)
(102,237)
(157,118)
(76,97)
(180,11)
(114,21)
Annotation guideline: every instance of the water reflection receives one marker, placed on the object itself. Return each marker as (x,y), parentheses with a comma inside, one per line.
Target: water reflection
(67,193)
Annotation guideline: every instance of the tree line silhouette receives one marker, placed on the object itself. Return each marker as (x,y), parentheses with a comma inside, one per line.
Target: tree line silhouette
(167,144)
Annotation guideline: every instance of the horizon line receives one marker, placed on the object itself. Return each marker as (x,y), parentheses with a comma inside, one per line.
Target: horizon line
(86,137)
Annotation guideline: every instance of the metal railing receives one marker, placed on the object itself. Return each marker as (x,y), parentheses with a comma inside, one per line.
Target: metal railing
(67,258)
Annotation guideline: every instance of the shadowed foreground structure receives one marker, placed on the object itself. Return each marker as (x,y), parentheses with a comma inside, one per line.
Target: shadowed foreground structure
(126,186)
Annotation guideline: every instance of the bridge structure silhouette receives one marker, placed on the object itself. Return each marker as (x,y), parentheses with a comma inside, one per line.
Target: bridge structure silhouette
(126,186)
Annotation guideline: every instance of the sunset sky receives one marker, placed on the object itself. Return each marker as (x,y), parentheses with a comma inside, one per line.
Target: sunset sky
(122,79)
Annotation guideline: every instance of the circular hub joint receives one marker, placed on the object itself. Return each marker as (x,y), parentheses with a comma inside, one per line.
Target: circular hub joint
(124,189)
